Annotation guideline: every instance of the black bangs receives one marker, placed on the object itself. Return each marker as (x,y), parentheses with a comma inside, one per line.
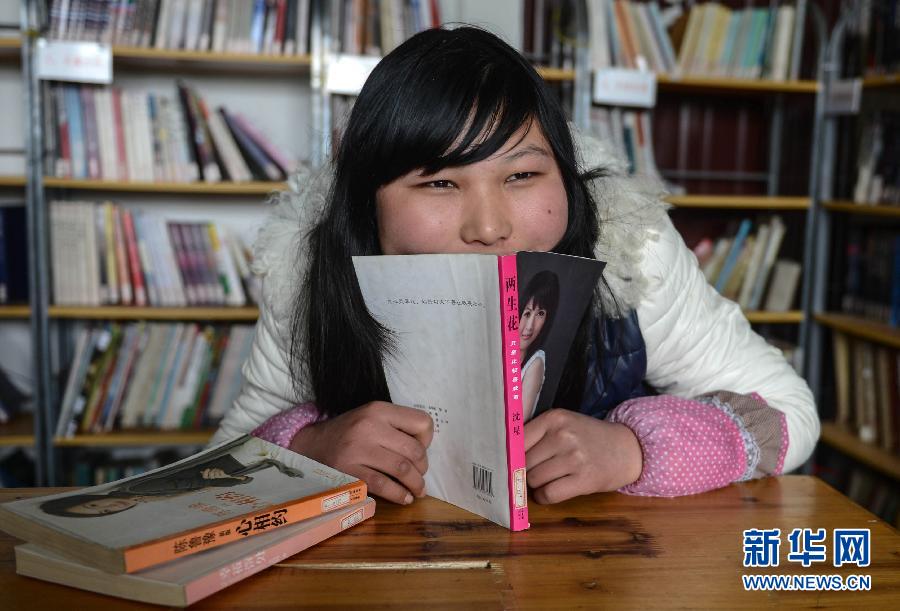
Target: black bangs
(441,101)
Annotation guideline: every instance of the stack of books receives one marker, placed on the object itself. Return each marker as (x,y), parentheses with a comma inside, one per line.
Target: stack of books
(178,534)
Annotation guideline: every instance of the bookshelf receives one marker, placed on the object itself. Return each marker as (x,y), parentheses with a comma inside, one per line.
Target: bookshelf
(848,207)
(679,93)
(12,312)
(853,349)
(12,181)
(123,313)
(17,433)
(862,328)
(739,202)
(872,456)
(131,438)
(198,188)
(695,84)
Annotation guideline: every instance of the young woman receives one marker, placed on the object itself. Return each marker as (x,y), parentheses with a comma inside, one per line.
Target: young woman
(455,145)
(537,308)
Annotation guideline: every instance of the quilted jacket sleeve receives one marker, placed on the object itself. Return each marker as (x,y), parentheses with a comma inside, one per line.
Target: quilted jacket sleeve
(699,342)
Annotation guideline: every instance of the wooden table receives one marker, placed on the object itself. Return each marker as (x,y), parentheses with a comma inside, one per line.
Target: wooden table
(607,550)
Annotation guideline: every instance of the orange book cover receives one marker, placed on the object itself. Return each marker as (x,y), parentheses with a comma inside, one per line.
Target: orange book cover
(230,492)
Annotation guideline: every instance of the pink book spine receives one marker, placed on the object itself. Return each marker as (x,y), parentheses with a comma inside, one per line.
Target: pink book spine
(251,564)
(515,422)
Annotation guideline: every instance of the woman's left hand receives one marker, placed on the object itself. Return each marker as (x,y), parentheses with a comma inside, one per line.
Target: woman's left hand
(569,454)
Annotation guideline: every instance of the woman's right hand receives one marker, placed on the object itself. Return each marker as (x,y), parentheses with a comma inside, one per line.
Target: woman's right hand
(381,443)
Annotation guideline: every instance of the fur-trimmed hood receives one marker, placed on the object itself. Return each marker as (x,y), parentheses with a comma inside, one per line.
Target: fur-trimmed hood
(630,212)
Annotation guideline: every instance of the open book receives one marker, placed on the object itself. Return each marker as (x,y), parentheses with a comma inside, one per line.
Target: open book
(480,344)
(237,489)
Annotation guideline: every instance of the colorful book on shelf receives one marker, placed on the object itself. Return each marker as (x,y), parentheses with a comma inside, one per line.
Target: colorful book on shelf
(196,577)
(228,493)
(480,342)
(734,253)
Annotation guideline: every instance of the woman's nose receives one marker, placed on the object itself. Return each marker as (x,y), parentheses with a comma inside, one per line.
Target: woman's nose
(487,220)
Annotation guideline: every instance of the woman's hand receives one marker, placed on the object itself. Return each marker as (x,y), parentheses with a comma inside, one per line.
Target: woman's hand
(381,443)
(568,454)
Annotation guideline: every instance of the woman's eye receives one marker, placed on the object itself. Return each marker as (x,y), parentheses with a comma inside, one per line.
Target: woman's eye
(521,176)
(440,184)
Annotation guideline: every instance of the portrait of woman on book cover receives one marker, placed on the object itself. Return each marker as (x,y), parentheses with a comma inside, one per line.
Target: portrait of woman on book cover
(225,467)
(537,308)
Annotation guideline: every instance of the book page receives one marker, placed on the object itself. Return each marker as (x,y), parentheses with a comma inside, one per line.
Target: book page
(444,311)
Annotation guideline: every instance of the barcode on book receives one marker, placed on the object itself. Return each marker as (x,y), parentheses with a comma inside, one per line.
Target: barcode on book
(482,479)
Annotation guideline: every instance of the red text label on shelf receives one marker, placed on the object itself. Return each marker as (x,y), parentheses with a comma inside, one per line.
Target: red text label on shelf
(74,61)
(624,87)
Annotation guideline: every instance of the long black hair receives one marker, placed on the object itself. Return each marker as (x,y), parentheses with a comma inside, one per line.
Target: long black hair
(443,98)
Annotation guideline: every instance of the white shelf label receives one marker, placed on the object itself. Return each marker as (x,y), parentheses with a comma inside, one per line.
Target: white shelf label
(843,97)
(74,61)
(347,73)
(625,87)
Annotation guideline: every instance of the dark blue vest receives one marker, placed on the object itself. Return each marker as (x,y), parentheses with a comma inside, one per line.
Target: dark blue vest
(617,364)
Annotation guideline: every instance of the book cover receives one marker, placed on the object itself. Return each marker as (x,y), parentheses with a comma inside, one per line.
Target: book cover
(238,489)
(185,582)
(480,345)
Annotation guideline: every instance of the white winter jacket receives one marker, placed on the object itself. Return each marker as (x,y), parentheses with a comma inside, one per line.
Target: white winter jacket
(696,340)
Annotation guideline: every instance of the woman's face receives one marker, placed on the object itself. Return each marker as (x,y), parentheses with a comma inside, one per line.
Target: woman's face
(530,324)
(100,506)
(514,200)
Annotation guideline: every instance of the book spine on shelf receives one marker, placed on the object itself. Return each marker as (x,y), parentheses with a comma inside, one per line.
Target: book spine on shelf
(515,422)
(169,548)
(126,291)
(134,260)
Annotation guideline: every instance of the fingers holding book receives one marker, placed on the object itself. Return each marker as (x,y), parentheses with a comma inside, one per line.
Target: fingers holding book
(381,443)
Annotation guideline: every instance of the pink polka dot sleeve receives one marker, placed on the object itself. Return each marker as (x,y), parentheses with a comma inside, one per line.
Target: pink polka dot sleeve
(694,445)
(281,428)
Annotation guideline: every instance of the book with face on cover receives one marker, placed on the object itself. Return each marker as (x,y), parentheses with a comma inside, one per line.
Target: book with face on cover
(479,343)
(232,491)
(186,581)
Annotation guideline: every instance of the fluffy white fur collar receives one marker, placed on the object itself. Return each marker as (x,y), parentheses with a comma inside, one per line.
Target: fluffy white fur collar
(629,210)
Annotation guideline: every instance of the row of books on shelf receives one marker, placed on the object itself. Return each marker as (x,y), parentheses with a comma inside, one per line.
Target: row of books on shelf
(743,265)
(867,390)
(876,492)
(871,282)
(113,134)
(549,33)
(376,27)
(871,44)
(104,254)
(13,254)
(274,27)
(878,166)
(630,133)
(753,42)
(240,507)
(167,376)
